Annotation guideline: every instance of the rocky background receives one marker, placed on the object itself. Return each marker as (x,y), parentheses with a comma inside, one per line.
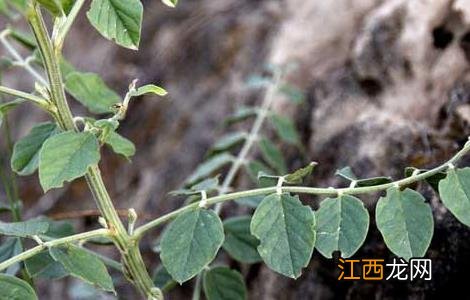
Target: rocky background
(387,86)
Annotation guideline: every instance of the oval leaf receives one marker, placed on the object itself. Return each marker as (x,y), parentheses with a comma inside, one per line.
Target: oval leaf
(285,228)
(273,156)
(66,156)
(83,265)
(406,222)
(24,229)
(455,193)
(222,283)
(42,265)
(285,128)
(25,157)
(118,20)
(191,242)
(120,144)
(212,164)
(90,90)
(239,242)
(13,288)
(342,225)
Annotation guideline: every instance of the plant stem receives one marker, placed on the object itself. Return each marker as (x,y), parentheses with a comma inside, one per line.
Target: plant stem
(15,93)
(261,116)
(331,191)
(54,243)
(134,266)
(19,59)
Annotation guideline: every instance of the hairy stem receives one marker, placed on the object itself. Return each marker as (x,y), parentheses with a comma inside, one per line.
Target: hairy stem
(134,266)
(54,243)
(15,93)
(330,191)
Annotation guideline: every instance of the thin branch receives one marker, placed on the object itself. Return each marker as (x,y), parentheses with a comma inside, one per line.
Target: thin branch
(261,116)
(15,93)
(19,59)
(54,243)
(330,191)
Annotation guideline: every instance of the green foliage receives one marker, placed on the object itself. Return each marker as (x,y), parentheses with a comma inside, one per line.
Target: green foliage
(211,165)
(342,225)
(149,89)
(190,243)
(170,3)
(239,242)
(57,7)
(282,231)
(12,288)
(122,21)
(455,193)
(286,230)
(405,221)
(222,283)
(83,265)
(43,266)
(25,158)
(286,130)
(66,156)
(91,91)
(24,229)
(120,145)
(273,156)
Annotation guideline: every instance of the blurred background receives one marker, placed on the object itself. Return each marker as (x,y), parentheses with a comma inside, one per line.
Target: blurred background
(386,85)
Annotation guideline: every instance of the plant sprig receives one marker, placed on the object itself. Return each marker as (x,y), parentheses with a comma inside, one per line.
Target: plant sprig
(69,148)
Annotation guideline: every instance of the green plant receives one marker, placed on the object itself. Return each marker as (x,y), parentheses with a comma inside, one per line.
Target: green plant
(282,231)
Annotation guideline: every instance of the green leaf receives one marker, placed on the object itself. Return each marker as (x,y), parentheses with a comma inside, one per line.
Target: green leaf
(373,181)
(266,180)
(405,221)
(251,201)
(42,265)
(122,21)
(286,231)
(209,166)
(149,89)
(286,130)
(239,242)
(162,279)
(90,90)
(298,176)
(455,193)
(222,283)
(10,247)
(346,173)
(25,157)
(6,107)
(228,141)
(12,288)
(57,7)
(349,175)
(254,167)
(432,180)
(190,243)
(24,229)
(342,224)
(208,185)
(170,3)
(273,156)
(83,265)
(293,93)
(241,114)
(66,156)
(120,144)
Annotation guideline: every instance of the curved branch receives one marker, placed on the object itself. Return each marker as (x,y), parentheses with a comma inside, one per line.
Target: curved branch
(54,243)
(139,232)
